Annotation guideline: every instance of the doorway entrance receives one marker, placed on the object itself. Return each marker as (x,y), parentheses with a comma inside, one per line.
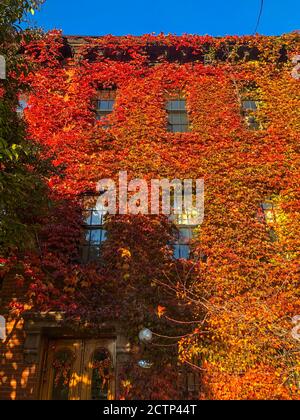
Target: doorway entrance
(79,369)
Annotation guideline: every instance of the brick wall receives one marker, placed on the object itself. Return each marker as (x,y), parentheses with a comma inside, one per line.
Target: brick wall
(18,378)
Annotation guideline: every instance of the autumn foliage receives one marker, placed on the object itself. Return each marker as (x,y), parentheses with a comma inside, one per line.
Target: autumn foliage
(226,316)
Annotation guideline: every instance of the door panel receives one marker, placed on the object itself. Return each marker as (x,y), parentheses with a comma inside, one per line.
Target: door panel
(92,349)
(79,370)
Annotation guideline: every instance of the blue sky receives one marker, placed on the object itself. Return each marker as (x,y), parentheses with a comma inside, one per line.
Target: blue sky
(213,17)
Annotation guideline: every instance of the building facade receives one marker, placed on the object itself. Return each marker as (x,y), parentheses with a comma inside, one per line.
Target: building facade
(225,110)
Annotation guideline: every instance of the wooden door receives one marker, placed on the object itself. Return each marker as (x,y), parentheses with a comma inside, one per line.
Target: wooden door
(78,369)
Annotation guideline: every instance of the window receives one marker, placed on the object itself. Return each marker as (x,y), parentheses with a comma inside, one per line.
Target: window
(95,234)
(249,109)
(105,103)
(269,209)
(185,223)
(177,116)
(249,105)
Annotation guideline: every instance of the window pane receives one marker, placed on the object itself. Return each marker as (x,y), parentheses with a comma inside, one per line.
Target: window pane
(269,210)
(185,234)
(105,105)
(87,216)
(267,205)
(183,118)
(249,105)
(93,253)
(111,105)
(94,240)
(94,217)
(169,105)
(182,105)
(176,105)
(97,218)
(270,216)
(94,233)
(102,114)
(176,252)
(95,236)
(88,235)
(180,128)
(181,251)
(22,106)
(90,253)
(101,375)
(174,118)
(178,118)
(62,366)
(98,236)
(187,217)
